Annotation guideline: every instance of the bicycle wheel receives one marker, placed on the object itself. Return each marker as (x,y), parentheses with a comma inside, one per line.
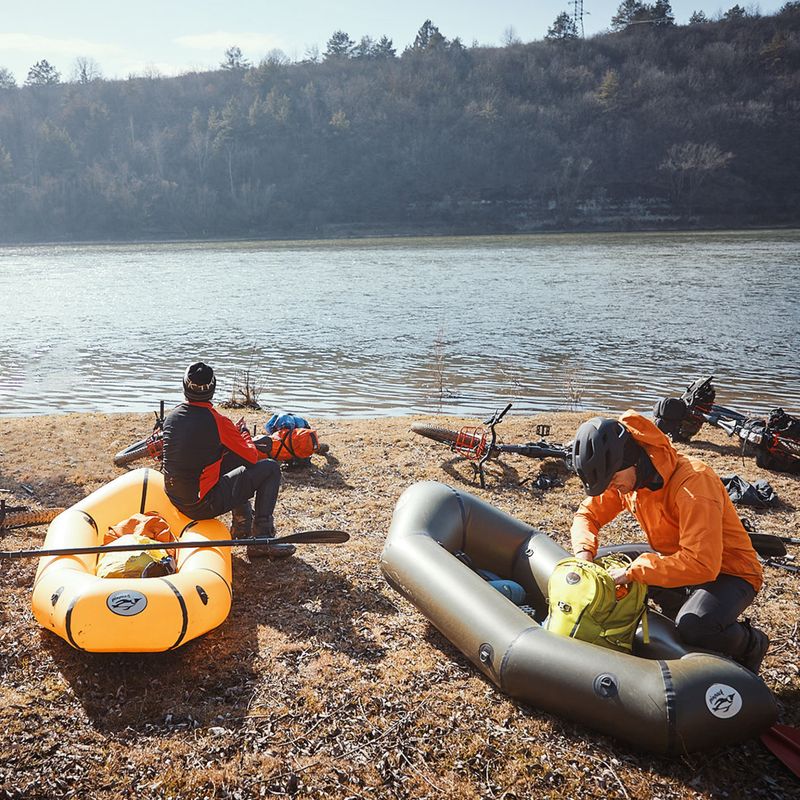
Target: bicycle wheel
(133,453)
(24,517)
(442,435)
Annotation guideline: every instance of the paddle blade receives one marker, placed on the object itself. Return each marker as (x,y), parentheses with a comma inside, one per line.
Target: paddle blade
(765,544)
(313,537)
(784,743)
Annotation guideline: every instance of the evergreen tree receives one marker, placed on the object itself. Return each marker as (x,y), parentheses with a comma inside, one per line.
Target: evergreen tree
(734,13)
(234,60)
(661,13)
(563,28)
(42,73)
(629,11)
(428,38)
(7,79)
(383,48)
(339,46)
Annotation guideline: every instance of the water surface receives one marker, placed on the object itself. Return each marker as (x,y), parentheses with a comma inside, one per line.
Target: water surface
(387,327)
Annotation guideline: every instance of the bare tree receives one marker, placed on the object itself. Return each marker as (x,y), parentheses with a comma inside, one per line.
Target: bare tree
(86,70)
(689,165)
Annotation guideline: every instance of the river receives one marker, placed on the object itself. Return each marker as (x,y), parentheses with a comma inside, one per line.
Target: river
(402,326)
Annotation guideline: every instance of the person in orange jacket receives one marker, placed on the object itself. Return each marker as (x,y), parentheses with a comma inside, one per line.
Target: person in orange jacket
(701,548)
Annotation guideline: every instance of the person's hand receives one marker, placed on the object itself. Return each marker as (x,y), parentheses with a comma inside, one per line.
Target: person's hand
(241,425)
(584,555)
(620,576)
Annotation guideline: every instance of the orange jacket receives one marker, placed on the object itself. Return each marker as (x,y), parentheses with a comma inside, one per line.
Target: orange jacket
(690,521)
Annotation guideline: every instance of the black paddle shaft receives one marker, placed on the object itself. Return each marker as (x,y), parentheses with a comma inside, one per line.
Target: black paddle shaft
(301,537)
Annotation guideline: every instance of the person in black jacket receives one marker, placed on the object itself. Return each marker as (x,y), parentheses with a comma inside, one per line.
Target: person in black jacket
(211,466)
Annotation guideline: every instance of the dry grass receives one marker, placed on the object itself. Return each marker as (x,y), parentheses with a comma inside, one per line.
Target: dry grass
(323,682)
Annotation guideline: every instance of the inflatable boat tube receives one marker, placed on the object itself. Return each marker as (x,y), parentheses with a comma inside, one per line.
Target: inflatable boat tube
(131,615)
(663,698)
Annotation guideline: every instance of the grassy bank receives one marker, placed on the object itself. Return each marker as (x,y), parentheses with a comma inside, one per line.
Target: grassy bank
(323,682)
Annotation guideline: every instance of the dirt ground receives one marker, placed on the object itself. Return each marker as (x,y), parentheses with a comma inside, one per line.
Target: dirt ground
(323,682)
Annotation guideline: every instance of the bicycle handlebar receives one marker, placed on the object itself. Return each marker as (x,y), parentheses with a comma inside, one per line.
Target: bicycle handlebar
(497,416)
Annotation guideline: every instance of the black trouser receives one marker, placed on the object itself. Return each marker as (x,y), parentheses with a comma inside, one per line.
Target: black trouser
(706,615)
(239,481)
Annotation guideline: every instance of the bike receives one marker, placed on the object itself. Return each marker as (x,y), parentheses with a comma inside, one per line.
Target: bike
(479,445)
(153,445)
(776,439)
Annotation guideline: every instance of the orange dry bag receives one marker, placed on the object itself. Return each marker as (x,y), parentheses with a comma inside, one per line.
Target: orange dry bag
(293,444)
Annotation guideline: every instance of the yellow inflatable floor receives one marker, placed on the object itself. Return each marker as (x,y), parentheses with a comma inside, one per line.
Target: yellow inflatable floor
(131,615)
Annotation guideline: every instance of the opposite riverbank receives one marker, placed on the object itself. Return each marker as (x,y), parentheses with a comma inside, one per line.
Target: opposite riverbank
(324,682)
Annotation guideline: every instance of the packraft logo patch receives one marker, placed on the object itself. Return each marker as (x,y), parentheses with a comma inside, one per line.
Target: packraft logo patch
(723,701)
(126,603)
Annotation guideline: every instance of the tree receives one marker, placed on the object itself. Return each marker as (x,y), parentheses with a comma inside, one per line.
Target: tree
(689,165)
(634,12)
(428,38)
(661,13)
(383,49)
(339,46)
(6,164)
(629,11)
(608,91)
(234,60)
(562,29)
(364,48)
(86,70)
(42,74)
(367,48)
(698,18)
(7,79)
(311,55)
(734,13)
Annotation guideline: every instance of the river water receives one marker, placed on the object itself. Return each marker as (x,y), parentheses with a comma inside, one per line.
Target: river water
(391,327)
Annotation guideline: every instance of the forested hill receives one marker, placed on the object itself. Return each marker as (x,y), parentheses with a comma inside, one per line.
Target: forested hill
(652,126)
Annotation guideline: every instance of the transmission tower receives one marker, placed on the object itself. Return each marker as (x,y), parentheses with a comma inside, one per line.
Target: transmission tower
(577,15)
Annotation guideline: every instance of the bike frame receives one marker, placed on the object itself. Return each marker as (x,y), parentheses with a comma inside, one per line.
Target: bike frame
(530,450)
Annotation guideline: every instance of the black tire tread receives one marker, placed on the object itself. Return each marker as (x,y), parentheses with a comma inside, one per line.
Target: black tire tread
(130,454)
(443,435)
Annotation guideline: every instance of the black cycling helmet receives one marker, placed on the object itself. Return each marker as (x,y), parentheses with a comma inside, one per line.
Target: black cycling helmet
(598,452)
(199,382)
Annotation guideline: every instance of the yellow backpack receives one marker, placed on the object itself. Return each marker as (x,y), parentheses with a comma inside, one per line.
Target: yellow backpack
(584,603)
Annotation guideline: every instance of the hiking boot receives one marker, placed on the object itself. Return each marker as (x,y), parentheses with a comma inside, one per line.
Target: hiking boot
(756,649)
(273,550)
(242,521)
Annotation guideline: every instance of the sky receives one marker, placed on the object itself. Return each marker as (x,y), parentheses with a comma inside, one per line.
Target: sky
(171,37)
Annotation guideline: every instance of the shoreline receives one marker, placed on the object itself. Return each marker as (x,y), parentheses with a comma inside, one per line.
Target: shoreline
(391,239)
(322,671)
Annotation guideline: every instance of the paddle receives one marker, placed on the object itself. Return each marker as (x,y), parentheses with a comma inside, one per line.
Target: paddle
(768,545)
(784,743)
(301,537)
